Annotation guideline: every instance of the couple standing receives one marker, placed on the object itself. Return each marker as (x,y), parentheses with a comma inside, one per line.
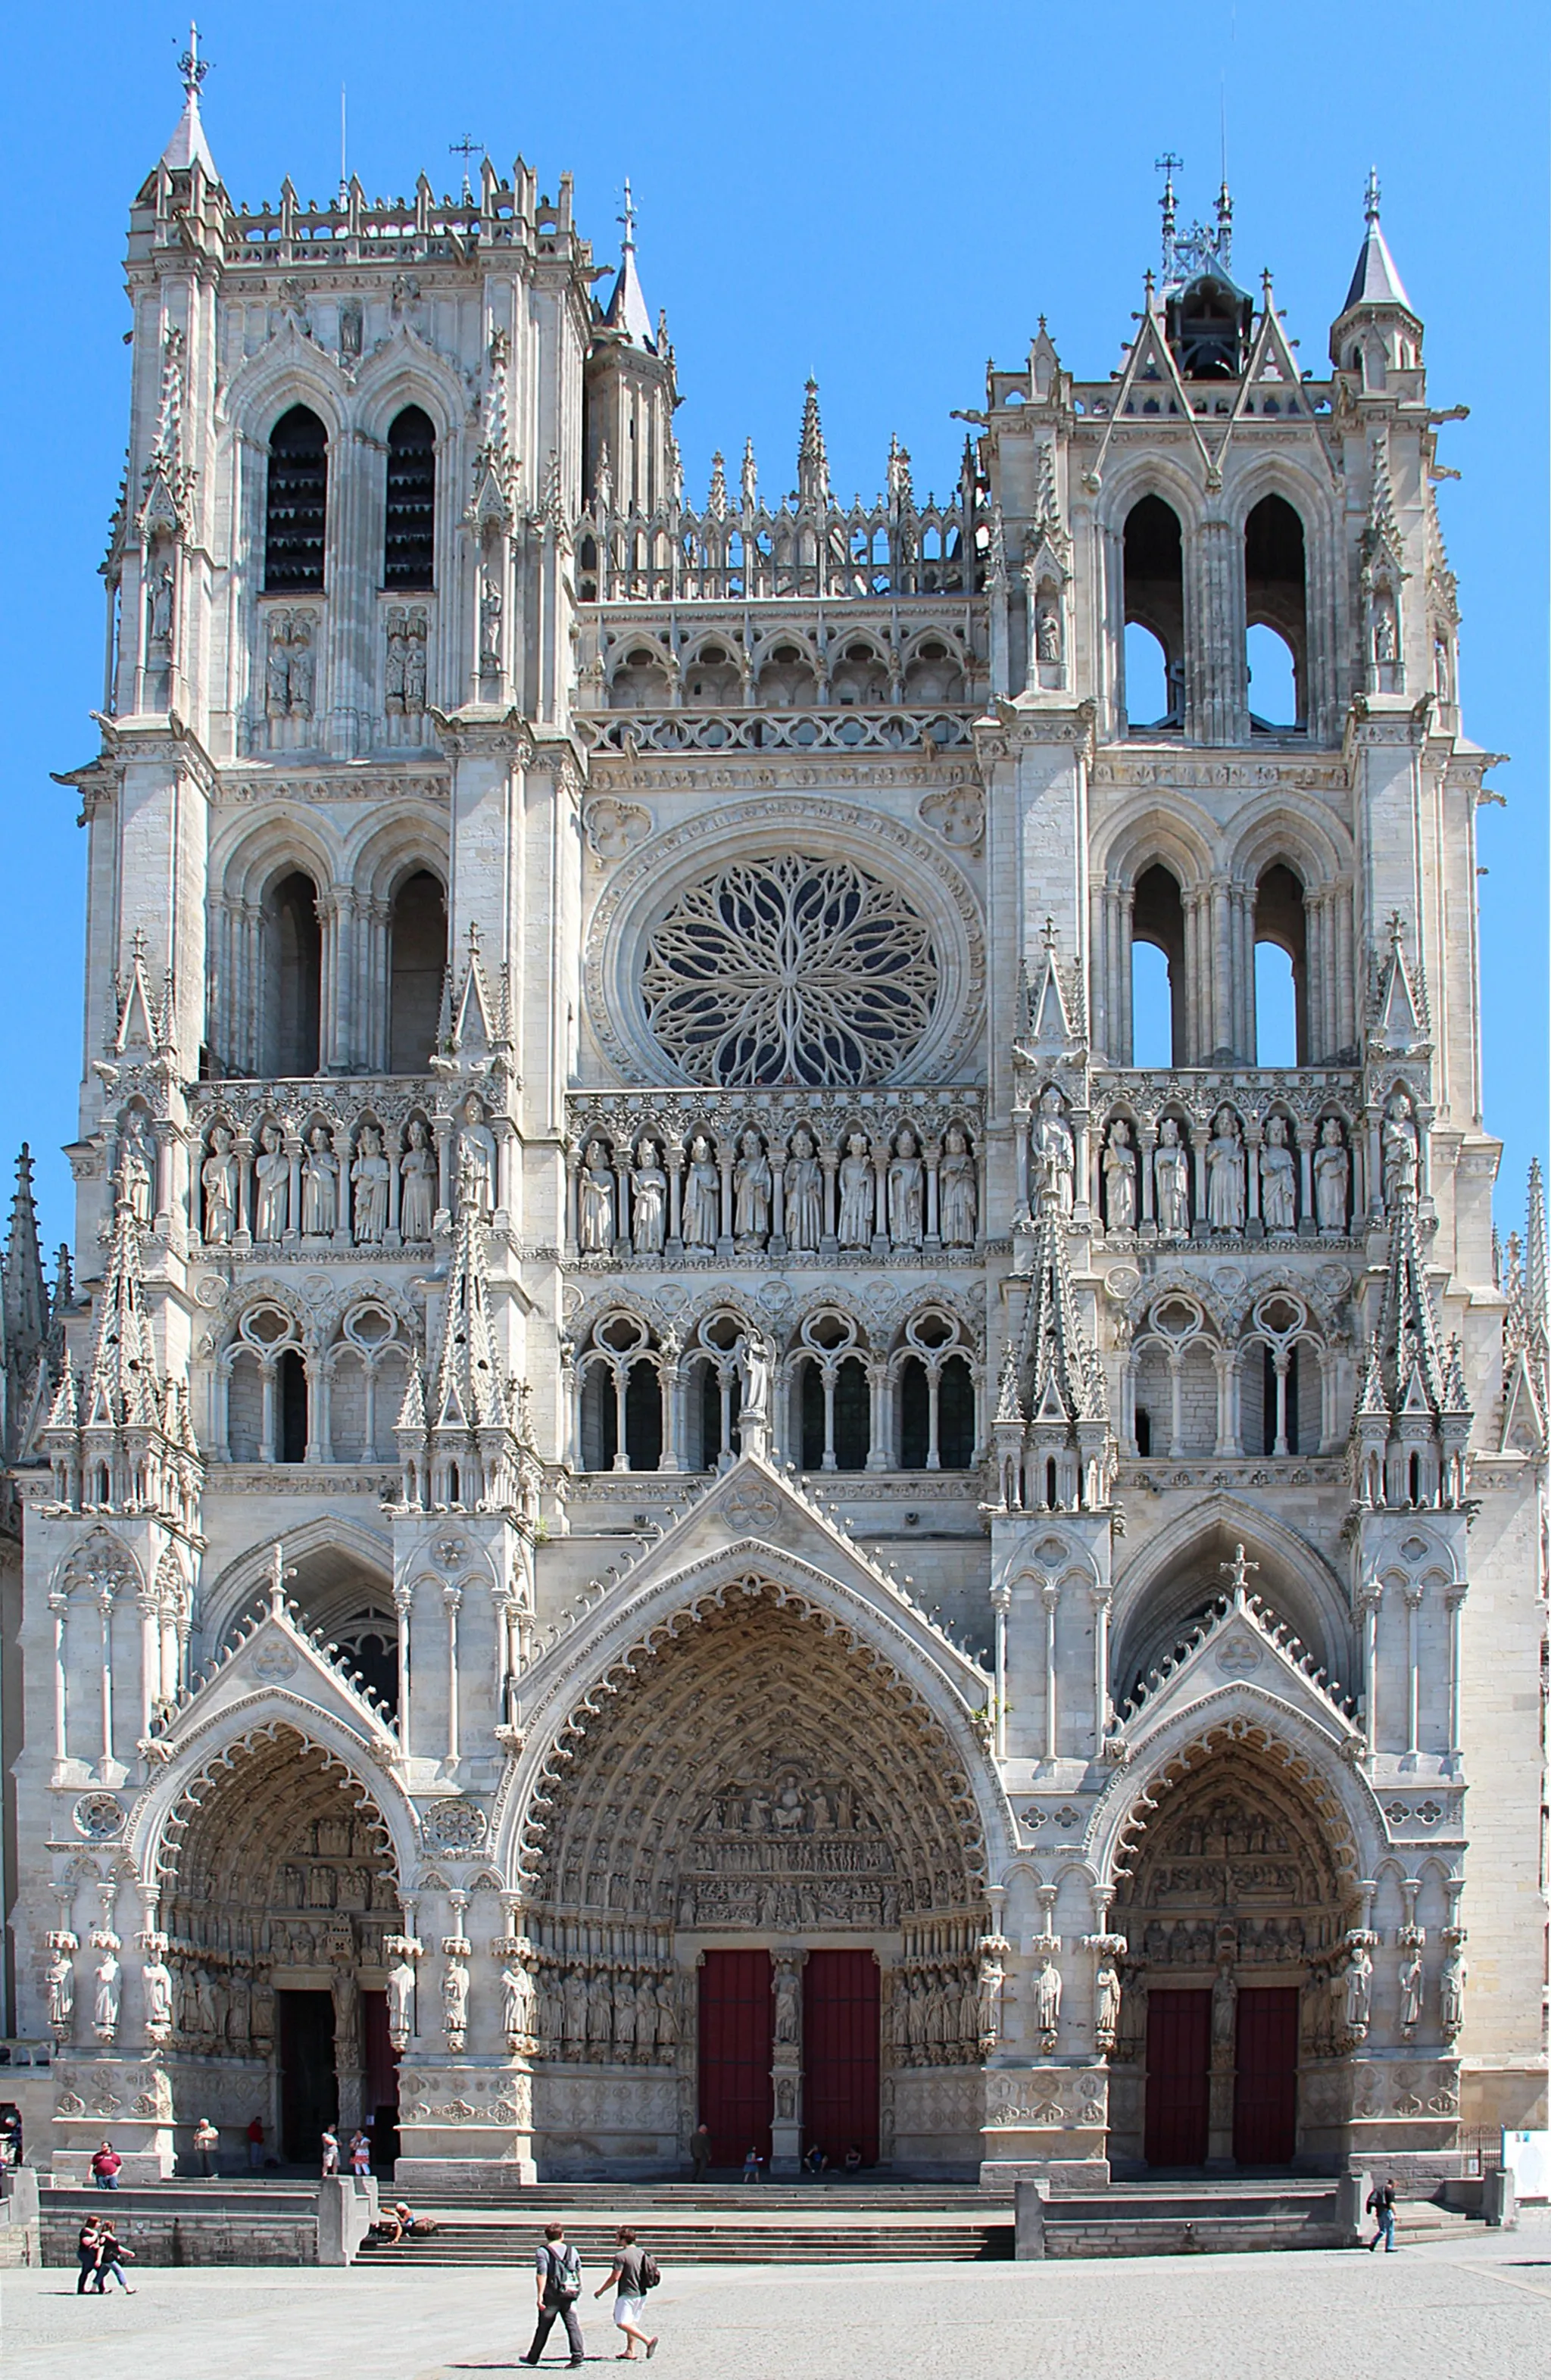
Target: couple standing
(558,2278)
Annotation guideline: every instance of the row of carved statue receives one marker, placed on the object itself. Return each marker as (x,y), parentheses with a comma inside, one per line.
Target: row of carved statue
(756,1190)
(364,1183)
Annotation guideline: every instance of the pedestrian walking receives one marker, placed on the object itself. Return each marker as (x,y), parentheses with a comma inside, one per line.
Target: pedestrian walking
(558,2277)
(633,2273)
(89,2241)
(105,2166)
(110,2262)
(1381,2206)
(255,2144)
(207,2140)
(700,2151)
(752,2163)
(331,2150)
(361,2153)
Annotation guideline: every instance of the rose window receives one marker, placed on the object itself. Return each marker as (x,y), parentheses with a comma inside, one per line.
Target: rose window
(790,971)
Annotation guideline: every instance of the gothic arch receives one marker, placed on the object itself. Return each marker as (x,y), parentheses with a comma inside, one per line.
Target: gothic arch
(292,370)
(229,1594)
(1284,474)
(261,851)
(1157,1594)
(573,1681)
(1145,832)
(1302,835)
(1129,477)
(405,370)
(392,844)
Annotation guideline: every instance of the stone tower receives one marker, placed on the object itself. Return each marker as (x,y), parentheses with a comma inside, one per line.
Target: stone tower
(717,1388)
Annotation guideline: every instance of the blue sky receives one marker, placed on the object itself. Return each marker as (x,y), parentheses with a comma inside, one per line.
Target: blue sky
(884,196)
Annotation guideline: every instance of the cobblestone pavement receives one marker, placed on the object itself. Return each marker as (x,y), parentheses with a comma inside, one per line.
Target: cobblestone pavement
(1480,2307)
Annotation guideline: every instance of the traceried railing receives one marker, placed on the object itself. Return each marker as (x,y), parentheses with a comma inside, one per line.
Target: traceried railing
(675,555)
(845,730)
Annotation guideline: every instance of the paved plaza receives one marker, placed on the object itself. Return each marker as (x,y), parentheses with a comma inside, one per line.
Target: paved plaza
(1481,2307)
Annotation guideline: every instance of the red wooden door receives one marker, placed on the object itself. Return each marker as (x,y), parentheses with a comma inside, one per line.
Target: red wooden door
(1179,2077)
(1265,2090)
(737,2023)
(840,2052)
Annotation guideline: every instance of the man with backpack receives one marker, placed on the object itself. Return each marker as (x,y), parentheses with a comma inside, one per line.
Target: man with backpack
(634,2273)
(1381,2206)
(558,2274)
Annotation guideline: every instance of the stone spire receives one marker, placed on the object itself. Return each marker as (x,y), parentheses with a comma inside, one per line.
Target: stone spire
(1375,302)
(189,145)
(1375,281)
(466,1384)
(813,463)
(23,1294)
(626,311)
(123,1382)
(1062,1376)
(458,1439)
(1412,1419)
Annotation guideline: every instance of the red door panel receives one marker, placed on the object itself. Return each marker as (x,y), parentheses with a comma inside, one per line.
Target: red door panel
(840,2052)
(1179,2077)
(737,2020)
(1265,2089)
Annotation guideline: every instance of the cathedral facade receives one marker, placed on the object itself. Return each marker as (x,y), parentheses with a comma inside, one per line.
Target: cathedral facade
(723,1439)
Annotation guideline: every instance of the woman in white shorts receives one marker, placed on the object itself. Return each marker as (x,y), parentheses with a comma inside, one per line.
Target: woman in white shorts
(625,2280)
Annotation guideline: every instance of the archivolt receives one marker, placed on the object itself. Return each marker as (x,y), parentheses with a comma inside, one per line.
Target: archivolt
(1291,1780)
(757,1680)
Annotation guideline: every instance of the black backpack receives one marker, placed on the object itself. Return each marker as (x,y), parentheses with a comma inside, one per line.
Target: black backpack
(651,2272)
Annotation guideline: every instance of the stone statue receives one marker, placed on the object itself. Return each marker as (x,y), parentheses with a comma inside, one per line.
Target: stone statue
(855,1194)
(1225,2006)
(277,671)
(757,1362)
(805,1194)
(392,665)
(369,1177)
(417,1205)
(1047,1998)
(455,2002)
(667,2016)
(1402,1151)
(649,1202)
(907,1179)
(702,1197)
(1225,1174)
(401,2002)
(272,1170)
(219,1176)
(59,1984)
(595,1191)
(1055,1151)
(156,1983)
(1332,1171)
(1278,1179)
(991,1982)
(786,2010)
(1451,1991)
(134,1167)
(751,1192)
(104,1998)
(1411,1979)
(1046,629)
(600,2010)
(958,1194)
(1106,2003)
(1119,1177)
(490,625)
(319,1186)
(162,606)
(518,2004)
(1357,1990)
(1171,1180)
(573,2006)
(414,663)
(300,663)
(1384,634)
(477,1154)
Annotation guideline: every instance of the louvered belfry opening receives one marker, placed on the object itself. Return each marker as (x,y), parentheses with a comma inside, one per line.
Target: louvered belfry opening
(409,565)
(296,505)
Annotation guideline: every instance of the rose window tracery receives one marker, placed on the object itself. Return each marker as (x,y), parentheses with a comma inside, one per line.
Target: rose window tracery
(790,971)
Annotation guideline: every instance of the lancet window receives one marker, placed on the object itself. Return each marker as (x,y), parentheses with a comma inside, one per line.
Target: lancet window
(408,542)
(296,505)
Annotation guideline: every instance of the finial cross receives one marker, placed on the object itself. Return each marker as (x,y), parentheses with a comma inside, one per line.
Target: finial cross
(1238,1571)
(466,148)
(628,217)
(279,1573)
(1369,197)
(190,66)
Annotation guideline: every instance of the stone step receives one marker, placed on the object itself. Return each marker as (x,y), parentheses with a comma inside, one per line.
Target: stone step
(714,2243)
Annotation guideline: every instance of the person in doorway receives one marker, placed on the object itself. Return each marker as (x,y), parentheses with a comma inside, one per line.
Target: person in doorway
(255,2144)
(111,2258)
(1381,2206)
(700,2151)
(558,2278)
(816,2161)
(626,2280)
(854,2158)
(360,2154)
(87,2242)
(331,2150)
(206,2140)
(752,2163)
(105,2166)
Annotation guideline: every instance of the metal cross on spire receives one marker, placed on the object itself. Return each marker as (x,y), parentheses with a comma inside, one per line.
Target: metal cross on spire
(190,66)
(465,149)
(628,217)
(1369,197)
(1169,165)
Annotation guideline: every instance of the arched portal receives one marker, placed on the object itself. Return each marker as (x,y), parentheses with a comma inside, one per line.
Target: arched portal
(1231,1898)
(278,1887)
(760,1870)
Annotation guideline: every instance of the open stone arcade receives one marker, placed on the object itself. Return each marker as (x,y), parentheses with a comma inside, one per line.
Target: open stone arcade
(665,1481)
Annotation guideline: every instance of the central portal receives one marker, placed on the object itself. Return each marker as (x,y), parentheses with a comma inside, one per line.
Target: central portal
(839,2053)
(839,2078)
(736,2033)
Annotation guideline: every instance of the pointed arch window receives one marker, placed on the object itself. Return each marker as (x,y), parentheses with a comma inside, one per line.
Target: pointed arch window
(409,538)
(417,960)
(295,503)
